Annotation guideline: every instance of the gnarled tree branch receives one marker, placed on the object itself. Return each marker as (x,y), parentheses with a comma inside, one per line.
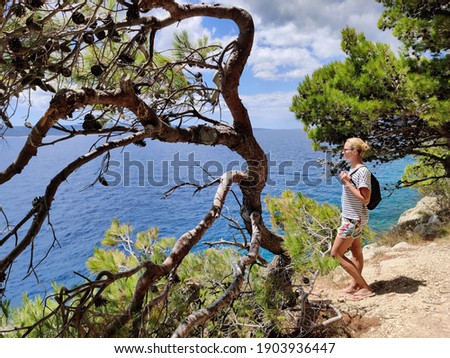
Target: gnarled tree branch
(43,208)
(149,97)
(233,291)
(181,248)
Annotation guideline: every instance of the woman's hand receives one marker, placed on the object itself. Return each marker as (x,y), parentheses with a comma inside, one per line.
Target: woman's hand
(345,178)
(362,194)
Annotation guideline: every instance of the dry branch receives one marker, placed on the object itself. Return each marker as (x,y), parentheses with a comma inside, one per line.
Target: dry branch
(181,248)
(152,119)
(233,291)
(42,210)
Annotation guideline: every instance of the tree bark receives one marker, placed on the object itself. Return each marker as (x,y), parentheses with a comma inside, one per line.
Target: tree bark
(238,136)
(233,291)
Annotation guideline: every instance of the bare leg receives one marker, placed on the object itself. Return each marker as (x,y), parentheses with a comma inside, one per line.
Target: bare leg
(358,261)
(338,250)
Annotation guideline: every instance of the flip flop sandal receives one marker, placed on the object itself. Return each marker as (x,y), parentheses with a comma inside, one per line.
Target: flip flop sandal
(344,294)
(359,297)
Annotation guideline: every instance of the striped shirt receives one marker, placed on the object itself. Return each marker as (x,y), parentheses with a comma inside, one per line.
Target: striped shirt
(352,208)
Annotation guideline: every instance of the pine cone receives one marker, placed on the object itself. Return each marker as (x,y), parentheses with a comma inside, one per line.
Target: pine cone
(97,70)
(140,143)
(35,4)
(15,45)
(91,123)
(133,12)
(126,59)
(66,72)
(32,25)
(100,35)
(88,37)
(78,18)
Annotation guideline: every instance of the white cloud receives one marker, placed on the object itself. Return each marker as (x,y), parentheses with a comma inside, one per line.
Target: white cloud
(267,110)
(307,31)
(271,110)
(285,63)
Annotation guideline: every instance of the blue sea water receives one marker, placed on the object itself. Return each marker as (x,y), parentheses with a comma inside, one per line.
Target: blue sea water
(138,178)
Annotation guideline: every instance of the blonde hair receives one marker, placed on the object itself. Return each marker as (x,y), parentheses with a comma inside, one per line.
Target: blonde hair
(359,145)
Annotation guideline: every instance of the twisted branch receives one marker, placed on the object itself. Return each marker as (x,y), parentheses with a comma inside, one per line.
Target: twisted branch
(181,248)
(203,315)
(43,209)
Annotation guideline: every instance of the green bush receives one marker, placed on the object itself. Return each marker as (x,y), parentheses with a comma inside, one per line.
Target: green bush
(201,278)
(309,229)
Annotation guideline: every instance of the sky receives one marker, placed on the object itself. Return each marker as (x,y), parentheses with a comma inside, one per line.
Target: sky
(293,38)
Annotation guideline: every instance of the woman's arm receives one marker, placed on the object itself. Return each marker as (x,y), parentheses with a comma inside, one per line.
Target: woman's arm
(362,194)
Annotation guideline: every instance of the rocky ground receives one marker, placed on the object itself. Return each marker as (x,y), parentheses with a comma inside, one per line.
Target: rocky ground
(412,286)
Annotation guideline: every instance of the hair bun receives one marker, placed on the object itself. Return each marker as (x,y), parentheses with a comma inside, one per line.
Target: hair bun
(365,146)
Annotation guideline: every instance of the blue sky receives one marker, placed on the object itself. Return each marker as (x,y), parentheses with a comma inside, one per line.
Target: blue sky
(292,39)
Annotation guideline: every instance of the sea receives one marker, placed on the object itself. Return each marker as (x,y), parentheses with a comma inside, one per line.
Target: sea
(137,190)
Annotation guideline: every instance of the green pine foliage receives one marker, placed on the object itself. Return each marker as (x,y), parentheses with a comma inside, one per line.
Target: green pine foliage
(309,229)
(4,312)
(84,57)
(397,103)
(430,175)
(342,99)
(200,279)
(184,48)
(33,310)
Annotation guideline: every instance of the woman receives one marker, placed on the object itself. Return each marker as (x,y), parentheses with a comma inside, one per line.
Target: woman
(355,216)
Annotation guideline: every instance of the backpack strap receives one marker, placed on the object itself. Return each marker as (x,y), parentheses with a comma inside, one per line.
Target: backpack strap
(356,171)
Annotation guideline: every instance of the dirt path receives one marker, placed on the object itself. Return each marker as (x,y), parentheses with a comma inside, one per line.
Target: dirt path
(412,286)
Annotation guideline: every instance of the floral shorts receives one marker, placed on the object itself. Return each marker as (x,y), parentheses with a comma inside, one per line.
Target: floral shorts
(350,229)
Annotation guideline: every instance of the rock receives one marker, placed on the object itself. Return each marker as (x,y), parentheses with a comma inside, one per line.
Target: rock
(402,246)
(425,210)
(434,220)
(369,251)
(427,230)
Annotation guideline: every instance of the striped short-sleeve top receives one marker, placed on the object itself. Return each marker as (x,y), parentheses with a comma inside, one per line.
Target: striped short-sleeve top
(352,208)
